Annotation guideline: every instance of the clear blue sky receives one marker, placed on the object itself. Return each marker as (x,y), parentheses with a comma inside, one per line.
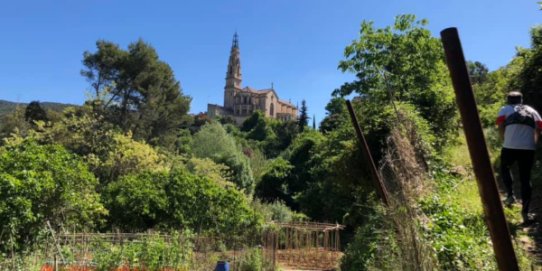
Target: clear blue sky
(296,44)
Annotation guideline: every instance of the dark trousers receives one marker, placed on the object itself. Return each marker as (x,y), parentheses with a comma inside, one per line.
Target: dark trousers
(525,160)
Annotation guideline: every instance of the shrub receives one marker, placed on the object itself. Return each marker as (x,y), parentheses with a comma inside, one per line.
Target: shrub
(40,183)
(253,260)
(373,247)
(137,202)
(459,237)
(179,200)
(214,143)
(201,204)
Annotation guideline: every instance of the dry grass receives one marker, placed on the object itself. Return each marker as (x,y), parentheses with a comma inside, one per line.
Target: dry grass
(405,176)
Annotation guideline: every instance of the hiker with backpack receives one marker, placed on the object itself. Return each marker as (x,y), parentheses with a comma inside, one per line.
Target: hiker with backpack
(519,128)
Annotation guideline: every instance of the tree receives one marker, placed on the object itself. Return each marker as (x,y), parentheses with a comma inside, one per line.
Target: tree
(335,115)
(273,136)
(128,156)
(214,143)
(203,205)
(491,93)
(108,152)
(530,76)
(273,185)
(303,120)
(258,127)
(14,123)
(44,182)
(478,72)
(286,132)
(137,202)
(138,90)
(402,63)
(251,121)
(176,200)
(34,112)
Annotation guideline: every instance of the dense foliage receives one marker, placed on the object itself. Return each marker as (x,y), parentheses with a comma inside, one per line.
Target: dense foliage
(404,63)
(137,90)
(40,183)
(161,200)
(214,143)
(131,159)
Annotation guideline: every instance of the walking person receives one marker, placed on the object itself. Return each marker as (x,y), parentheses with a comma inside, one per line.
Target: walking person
(519,128)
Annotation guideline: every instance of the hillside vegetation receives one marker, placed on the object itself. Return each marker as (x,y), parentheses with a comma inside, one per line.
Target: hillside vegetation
(7,107)
(132,160)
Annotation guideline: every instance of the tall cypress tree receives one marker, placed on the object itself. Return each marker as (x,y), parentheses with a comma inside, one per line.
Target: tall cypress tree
(303,120)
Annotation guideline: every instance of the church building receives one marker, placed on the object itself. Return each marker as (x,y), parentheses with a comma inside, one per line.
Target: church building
(240,103)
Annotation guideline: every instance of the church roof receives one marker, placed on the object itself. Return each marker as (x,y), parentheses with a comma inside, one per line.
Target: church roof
(265,91)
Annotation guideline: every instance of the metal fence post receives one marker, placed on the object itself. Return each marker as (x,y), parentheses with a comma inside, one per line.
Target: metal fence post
(379,185)
(495,219)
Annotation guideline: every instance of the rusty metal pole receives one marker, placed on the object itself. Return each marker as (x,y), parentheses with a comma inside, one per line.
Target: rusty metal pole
(495,219)
(379,185)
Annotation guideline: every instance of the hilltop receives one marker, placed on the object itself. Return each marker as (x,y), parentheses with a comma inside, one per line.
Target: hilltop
(7,107)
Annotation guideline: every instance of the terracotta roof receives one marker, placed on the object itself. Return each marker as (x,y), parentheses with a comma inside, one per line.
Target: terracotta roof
(265,91)
(286,103)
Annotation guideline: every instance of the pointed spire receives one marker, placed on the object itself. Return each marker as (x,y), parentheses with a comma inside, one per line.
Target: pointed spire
(233,74)
(235,43)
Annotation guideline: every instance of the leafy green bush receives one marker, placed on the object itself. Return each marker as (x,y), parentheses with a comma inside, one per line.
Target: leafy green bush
(277,211)
(149,253)
(178,199)
(40,183)
(137,202)
(253,260)
(274,183)
(405,63)
(373,247)
(214,143)
(459,237)
(200,204)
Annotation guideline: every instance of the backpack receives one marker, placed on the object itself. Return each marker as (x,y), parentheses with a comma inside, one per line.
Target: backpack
(522,115)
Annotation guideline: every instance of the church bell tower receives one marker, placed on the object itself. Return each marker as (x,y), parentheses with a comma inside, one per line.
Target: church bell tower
(233,75)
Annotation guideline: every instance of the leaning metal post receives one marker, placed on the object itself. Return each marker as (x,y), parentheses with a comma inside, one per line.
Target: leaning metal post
(495,219)
(379,185)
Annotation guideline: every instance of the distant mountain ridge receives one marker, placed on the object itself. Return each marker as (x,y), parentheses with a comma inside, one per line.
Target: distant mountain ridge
(7,107)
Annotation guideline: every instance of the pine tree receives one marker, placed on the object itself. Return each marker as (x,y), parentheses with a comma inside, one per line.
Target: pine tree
(314,122)
(34,112)
(139,91)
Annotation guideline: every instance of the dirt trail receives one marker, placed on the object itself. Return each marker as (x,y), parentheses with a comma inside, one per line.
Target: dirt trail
(535,230)
(532,245)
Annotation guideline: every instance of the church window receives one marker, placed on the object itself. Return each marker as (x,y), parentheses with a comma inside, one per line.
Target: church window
(272,110)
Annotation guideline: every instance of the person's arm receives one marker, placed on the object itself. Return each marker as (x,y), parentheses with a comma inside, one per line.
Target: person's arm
(500,124)
(501,132)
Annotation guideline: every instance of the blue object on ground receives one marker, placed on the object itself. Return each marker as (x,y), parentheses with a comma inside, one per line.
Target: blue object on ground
(222,266)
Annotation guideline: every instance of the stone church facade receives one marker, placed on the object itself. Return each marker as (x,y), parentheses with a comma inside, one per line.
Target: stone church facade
(240,103)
